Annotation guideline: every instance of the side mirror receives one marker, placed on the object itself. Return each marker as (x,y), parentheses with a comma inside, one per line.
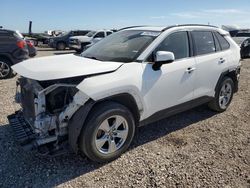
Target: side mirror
(163,57)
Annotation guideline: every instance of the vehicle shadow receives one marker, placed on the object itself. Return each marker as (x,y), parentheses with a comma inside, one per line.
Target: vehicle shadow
(39,171)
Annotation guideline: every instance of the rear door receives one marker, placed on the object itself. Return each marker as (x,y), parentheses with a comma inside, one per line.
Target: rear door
(211,61)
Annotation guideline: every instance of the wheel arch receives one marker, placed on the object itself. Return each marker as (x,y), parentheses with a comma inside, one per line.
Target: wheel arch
(78,120)
(231,74)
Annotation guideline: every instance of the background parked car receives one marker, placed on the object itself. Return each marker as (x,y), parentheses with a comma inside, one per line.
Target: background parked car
(79,43)
(37,38)
(31,48)
(245,49)
(62,41)
(13,49)
(240,36)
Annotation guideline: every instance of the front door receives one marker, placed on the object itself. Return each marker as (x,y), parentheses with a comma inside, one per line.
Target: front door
(173,84)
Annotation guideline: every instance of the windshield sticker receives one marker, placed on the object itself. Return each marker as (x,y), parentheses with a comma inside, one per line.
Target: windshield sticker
(150,33)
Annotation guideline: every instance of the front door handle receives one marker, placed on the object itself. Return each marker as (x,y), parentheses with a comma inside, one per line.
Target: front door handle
(222,60)
(190,69)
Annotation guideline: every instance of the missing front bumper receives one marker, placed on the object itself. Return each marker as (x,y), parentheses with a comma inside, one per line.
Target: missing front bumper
(22,130)
(30,141)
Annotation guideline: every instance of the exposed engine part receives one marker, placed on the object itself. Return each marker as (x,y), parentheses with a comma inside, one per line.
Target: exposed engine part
(52,106)
(79,99)
(58,99)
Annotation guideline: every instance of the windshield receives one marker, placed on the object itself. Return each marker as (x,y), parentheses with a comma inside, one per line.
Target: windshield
(63,34)
(124,46)
(90,34)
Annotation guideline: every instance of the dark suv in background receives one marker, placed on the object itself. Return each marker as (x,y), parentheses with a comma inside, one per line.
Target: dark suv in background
(13,49)
(62,41)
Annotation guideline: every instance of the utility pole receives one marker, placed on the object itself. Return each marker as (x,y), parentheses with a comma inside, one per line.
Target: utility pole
(30,27)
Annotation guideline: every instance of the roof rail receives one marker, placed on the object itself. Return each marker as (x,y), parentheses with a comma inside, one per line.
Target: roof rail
(131,27)
(166,28)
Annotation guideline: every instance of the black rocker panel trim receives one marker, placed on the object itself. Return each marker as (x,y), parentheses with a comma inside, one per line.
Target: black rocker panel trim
(175,110)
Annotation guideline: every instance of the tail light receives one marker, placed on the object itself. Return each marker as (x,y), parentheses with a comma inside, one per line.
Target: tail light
(29,43)
(21,44)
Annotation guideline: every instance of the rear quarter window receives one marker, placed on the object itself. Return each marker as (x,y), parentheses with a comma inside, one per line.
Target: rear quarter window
(6,36)
(223,42)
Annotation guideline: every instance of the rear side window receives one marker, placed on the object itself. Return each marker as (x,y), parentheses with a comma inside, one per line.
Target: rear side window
(223,42)
(6,36)
(4,33)
(100,35)
(204,42)
(176,43)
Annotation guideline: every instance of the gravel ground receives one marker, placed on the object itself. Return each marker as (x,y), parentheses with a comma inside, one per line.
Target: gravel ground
(198,148)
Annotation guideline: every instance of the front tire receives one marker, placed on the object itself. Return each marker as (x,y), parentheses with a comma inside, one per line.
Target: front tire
(223,95)
(108,132)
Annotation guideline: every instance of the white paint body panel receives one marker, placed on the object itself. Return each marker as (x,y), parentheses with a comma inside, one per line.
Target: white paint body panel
(170,86)
(152,90)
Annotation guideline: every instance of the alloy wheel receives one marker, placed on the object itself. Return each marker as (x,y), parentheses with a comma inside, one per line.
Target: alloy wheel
(111,134)
(225,95)
(4,69)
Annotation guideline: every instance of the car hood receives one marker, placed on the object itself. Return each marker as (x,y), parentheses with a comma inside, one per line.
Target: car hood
(82,38)
(62,66)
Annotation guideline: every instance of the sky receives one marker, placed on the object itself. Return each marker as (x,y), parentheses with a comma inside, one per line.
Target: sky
(99,14)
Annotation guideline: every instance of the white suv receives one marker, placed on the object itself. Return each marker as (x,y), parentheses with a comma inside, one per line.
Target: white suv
(136,76)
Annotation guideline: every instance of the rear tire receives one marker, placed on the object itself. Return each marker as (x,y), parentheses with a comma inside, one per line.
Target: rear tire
(35,42)
(223,95)
(5,68)
(60,46)
(108,132)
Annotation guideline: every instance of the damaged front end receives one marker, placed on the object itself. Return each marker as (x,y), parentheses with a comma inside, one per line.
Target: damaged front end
(47,107)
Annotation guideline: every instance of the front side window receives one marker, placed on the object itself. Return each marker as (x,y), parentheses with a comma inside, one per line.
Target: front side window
(90,34)
(204,42)
(223,42)
(109,33)
(176,43)
(124,46)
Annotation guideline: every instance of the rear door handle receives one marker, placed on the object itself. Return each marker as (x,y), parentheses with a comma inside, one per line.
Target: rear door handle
(190,69)
(222,60)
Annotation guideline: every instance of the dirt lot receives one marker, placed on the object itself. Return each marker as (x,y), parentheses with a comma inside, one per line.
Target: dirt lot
(198,148)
